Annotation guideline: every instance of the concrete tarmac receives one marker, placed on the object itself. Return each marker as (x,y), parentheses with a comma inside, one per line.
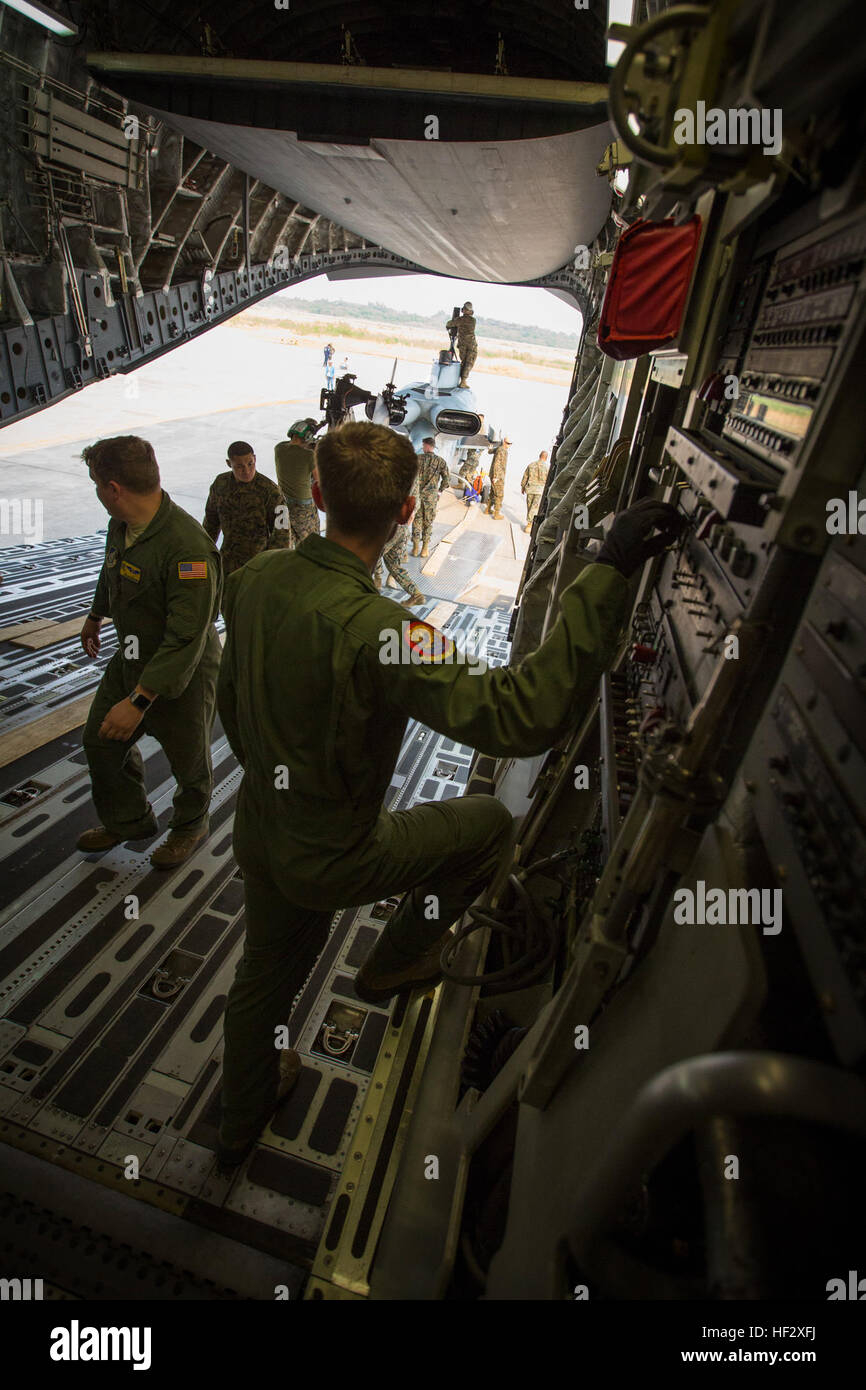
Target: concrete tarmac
(194,401)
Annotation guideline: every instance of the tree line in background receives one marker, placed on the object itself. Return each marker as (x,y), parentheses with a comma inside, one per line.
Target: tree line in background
(382,313)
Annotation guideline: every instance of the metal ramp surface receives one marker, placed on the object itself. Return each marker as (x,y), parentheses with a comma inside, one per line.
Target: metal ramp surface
(466,555)
(113,981)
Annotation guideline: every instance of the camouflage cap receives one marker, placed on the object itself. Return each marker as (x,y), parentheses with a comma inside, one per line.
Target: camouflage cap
(302,428)
(468,306)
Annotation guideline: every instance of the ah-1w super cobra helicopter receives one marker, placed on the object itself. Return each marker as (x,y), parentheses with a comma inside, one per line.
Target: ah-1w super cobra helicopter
(438,406)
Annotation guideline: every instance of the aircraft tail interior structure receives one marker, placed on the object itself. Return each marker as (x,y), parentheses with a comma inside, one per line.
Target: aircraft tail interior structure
(642,1077)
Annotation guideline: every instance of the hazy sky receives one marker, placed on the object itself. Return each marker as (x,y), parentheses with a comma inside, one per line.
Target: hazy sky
(427,293)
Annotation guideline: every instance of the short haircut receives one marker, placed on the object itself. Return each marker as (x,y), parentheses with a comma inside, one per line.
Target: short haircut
(124,459)
(239,448)
(431,439)
(365,473)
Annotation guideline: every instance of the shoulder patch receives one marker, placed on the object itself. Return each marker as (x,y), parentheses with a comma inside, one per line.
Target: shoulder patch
(192,569)
(431,645)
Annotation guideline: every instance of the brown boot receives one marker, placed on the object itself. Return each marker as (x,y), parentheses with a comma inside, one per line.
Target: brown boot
(291,1067)
(416,546)
(497,516)
(425,551)
(93,841)
(177,848)
(373,985)
(413,600)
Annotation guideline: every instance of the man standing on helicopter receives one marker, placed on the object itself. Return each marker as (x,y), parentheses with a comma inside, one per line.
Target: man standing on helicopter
(463,324)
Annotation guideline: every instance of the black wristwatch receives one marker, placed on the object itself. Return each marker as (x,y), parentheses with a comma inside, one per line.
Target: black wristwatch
(94,617)
(140,701)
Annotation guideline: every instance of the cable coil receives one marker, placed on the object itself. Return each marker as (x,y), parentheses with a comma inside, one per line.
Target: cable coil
(529,942)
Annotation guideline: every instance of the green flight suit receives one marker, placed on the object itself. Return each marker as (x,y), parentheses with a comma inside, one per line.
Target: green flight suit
(316,687)
(163,591)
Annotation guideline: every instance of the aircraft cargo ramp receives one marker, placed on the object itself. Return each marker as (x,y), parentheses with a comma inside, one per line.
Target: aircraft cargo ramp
(113,980)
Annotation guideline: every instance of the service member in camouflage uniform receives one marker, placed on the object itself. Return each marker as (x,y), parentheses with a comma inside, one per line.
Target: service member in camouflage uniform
(295,460)
(161,585)
(532,486)
(394,558)
(497,478)
(320,839)
(467,345)
(244,504)
(432,479)
(470,465)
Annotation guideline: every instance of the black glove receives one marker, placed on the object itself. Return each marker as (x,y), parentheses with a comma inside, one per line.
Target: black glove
(630,541)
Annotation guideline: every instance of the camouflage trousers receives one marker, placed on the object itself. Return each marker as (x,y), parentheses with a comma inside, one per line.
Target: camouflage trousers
(424,515)
(234,557)
(394,558)
(303,520)
(533,500)
(467,360)
(497,491)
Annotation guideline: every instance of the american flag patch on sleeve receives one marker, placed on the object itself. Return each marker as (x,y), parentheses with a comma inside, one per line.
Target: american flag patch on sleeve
(192,569)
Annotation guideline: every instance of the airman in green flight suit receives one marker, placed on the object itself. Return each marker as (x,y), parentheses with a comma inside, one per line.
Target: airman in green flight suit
(161,584)
(319,739)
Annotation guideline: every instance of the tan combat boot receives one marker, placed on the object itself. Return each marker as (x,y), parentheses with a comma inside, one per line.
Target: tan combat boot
(93,841)
(391,583)
(177,848)
(416,546)
(374,985)
(291,1067)
(497,516)
(414,600)
(425,551)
